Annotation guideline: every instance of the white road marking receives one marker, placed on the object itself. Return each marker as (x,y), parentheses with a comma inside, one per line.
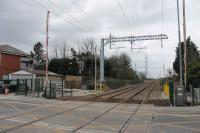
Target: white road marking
(3,116)
(52,126)
(17,120)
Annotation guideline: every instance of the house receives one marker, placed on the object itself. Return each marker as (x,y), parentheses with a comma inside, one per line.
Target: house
(12,60)
(40,74)
(34,79)
(33,74)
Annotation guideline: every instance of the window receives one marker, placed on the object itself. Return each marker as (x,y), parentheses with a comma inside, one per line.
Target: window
(26,64)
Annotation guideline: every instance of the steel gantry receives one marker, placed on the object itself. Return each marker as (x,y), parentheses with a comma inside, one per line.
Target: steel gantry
(131,39)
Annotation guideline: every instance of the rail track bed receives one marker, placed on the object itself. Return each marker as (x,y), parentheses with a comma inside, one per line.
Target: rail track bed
(118,95)
(96,114)
(138,94)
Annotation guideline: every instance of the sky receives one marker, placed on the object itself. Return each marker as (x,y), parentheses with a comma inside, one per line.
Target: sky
(22,24)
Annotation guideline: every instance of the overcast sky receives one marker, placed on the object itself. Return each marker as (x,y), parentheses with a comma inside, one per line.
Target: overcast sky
(22,23)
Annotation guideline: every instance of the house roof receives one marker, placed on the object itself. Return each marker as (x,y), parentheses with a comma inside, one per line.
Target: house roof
(36,72)
(11,50)
(21,72)
(42,73)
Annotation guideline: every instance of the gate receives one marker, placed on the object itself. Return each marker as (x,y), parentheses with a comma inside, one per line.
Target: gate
(29,87)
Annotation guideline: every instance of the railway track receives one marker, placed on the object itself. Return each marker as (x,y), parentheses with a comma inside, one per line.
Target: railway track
(114,93)
(32,111)
(134,113)
(105,95)
(120,95)
(108,110)
(127,94)
(68,110)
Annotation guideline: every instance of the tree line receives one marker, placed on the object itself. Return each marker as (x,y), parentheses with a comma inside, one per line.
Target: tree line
(81,62)
(193,63)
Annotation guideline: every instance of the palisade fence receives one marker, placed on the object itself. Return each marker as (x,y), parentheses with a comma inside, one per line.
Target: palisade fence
(38,88)
(29,87)
(196,96)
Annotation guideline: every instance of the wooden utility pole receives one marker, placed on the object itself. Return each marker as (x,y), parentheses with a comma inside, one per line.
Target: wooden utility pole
(180,47)
(146,66)
(135,68)
(47,41)
(185,45)
(164,74)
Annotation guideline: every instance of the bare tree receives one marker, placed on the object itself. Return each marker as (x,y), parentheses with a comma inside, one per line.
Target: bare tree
(86,51)
(88,45)
(61,51)
(55,52)
(170,72)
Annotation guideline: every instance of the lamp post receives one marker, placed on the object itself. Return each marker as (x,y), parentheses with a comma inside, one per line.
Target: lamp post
(95,60)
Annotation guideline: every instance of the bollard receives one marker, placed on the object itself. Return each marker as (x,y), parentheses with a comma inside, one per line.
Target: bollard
(50,88)
(26,87)
(38,87)
(62,87)
(6,91)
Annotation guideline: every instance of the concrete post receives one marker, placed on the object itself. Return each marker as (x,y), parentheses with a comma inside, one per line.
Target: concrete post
(102,61)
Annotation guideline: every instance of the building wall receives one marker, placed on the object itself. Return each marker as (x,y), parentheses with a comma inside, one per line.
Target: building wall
(50,77)
(73,78)
(21,76)
(9,64)
(76,80)
(26,63)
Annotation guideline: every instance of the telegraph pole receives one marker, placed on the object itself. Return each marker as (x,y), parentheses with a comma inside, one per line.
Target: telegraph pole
(164,74)
(135,68)
(102,62)
(180,49)
(146,65)
(185,45)
(47,41)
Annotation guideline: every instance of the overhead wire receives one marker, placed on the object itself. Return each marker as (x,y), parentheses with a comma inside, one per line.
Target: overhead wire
(123,13)
(84,12)
(129,9)
(64,19)
(68,14)
(162,28)
(162,17)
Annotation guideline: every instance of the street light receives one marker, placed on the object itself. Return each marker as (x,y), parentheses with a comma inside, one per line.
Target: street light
(95,60)
(95,73)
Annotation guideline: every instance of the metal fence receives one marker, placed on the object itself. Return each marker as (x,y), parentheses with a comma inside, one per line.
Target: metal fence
(38,87)
(29,87)
(196,96)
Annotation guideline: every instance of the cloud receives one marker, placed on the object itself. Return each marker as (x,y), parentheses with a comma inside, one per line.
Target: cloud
(22,24)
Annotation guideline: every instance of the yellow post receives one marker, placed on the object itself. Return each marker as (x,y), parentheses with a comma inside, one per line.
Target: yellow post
(166,89)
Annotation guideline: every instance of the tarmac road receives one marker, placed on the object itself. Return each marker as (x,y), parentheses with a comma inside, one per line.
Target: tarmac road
(150,119)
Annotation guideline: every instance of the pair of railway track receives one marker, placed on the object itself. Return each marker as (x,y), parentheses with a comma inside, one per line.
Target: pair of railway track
(113,93)
(97,98)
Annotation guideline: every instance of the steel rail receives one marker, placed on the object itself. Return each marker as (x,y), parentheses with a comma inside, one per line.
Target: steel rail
(32,111)
(35,110)
(108,110)
(115,91)
(132,116)
(44,118)
(119,93)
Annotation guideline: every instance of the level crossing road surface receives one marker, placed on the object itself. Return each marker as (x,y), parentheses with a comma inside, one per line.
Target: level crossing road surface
(19,110)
